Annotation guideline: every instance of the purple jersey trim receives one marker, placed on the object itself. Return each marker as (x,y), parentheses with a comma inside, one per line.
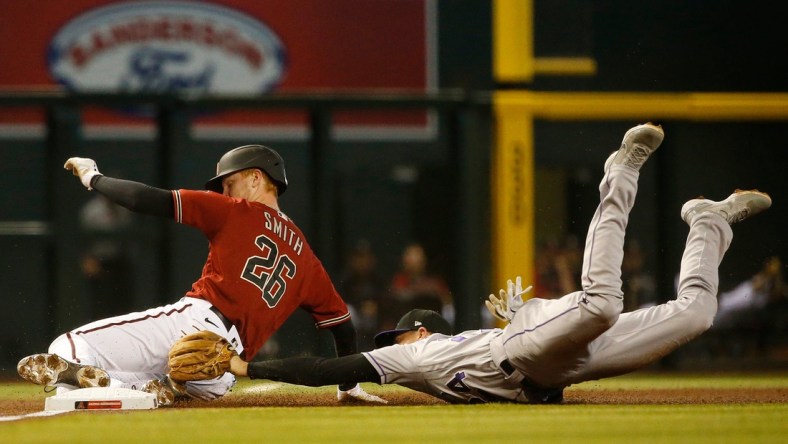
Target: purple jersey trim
(376,364)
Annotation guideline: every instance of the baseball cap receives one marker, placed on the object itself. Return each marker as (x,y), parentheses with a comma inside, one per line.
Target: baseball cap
(431,320)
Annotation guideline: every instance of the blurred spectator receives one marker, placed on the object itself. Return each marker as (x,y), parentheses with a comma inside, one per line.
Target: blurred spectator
(558,266)
(414,286)
(106,263)
(362,288)
(752,317)
(765,288)
(639,286)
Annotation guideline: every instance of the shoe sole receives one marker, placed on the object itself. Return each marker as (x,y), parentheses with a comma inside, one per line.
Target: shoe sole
(49,369)
(646,126)
(89,376)
(757,202)
(765,199)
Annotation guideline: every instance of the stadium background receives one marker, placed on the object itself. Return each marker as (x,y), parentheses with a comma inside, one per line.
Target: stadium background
(394,186)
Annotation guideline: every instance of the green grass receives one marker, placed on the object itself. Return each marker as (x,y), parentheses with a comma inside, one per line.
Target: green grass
(439,424)
(19,391)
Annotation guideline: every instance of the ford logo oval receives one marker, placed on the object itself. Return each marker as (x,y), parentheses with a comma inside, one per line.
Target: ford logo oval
(158,47)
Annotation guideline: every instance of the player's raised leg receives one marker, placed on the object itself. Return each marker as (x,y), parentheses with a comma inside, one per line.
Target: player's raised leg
(709,238)
(643,336)
(604,248)
(547,339)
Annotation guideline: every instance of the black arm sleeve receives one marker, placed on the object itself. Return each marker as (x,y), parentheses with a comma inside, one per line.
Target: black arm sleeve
(345,342)
(135,196)
(316,372)
(345,338)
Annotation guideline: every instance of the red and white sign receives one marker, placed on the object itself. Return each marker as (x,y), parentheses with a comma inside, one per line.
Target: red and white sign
(170,46)
(247,47)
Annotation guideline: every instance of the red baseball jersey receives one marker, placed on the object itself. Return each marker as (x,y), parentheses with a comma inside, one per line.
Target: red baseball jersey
(260,268)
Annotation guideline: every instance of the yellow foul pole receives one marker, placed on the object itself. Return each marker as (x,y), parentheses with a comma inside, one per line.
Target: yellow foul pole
(513,192)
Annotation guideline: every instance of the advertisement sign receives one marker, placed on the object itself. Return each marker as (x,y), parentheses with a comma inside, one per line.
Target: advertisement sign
(232,47)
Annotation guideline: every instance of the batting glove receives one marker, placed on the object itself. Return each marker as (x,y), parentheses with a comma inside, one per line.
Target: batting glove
(510,300)
(83,167)
(358,394)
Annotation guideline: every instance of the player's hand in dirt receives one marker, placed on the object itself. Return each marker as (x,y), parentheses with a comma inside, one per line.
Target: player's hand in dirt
(358,394)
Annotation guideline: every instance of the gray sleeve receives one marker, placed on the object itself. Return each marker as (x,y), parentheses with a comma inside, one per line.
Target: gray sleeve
(395,364)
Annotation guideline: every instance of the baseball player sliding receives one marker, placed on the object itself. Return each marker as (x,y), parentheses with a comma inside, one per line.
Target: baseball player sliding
(259,270)
(548,344)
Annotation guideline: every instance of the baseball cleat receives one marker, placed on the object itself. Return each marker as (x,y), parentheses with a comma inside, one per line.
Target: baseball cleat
(738,206)
(639,142)
(164,395)
(166,390)
(48,369)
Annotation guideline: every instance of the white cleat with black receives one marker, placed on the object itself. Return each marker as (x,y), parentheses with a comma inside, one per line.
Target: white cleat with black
(638,144)
(49,369)
(738,206)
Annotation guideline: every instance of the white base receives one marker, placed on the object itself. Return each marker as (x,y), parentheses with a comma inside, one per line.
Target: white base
(102,398)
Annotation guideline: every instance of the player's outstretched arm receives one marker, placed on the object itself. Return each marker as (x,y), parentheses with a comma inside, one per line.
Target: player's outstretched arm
(135,196)
(206,355)
(310,371)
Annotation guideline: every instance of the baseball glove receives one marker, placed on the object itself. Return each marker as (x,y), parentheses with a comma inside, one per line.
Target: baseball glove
(200,356)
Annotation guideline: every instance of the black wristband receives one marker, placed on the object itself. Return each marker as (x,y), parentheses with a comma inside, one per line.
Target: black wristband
(93,180)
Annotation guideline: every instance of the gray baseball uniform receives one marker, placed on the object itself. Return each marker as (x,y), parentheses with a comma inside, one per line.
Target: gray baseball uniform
(456,368)
(551,343)
(582,336)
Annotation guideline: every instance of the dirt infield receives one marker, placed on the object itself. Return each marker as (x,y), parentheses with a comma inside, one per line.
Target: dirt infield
(577,396)
(677,396)
(572,396)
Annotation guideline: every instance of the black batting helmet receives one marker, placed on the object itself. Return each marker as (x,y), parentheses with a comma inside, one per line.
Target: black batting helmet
(250,156)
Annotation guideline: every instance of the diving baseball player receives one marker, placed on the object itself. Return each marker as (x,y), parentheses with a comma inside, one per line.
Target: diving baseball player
(259,270)
(550,344)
